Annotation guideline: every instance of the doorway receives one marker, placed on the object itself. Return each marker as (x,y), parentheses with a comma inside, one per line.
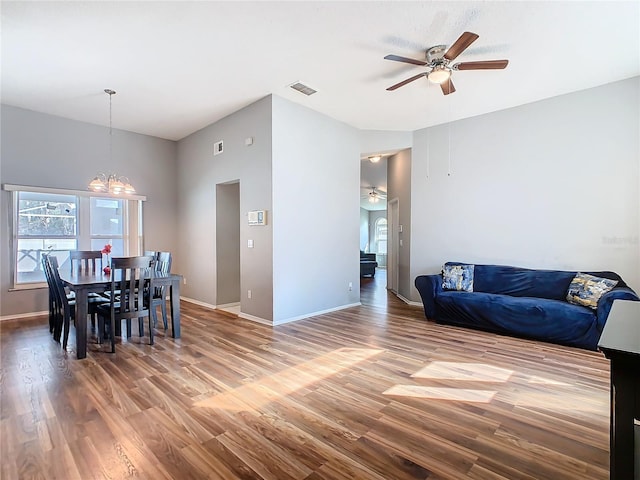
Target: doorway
(228,246)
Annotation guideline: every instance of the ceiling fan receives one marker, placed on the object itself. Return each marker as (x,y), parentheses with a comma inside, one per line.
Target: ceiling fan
(439,61)
(375,195)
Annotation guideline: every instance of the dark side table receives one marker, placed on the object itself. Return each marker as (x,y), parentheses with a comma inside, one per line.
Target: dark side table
(620,343)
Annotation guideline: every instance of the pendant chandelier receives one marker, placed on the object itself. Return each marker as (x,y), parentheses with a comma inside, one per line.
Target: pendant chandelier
(111,183)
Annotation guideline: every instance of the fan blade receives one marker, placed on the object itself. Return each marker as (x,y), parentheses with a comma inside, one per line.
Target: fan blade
(460,45)
(397,58)
(486,65)
(447,87)
(408,80)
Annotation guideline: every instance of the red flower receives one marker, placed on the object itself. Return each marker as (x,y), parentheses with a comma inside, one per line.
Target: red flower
(106,249)
(106,270)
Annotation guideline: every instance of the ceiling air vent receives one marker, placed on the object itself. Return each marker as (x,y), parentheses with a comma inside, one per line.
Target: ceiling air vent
(302,88)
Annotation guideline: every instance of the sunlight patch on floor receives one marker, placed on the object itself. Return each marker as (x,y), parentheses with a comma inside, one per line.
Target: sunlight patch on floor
(458,394)
(545,381)
(477,372)
(255,394)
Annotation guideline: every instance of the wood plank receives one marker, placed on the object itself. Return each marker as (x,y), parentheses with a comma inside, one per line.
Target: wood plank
(369,392)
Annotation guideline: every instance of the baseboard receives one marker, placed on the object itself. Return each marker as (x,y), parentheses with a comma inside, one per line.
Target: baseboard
(18,316)
(408,302)
(253,318)
(314,314)
(227,305)
(198,302)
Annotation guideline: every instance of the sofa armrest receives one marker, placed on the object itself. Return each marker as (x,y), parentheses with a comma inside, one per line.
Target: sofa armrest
(429,286)
(606,302)
(371,257)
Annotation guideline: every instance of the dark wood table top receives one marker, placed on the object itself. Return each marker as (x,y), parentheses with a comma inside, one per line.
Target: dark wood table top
(621,333)
(98,278)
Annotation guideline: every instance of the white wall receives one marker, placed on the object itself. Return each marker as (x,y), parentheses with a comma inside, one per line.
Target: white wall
(316,197)
(552,184)
(48,151)
(198,173)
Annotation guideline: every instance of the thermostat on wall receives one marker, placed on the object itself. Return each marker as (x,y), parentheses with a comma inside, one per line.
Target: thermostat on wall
(257,217)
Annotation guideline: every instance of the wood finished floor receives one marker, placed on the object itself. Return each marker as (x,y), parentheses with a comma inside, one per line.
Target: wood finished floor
(371,392)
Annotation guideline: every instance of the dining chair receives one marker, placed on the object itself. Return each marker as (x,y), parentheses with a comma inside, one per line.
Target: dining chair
(159,297)
(52,293)
(87,261)
(54,310)
(65,306)
(133,278)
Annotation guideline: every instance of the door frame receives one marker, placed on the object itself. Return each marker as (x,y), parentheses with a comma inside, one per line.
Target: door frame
(393,245)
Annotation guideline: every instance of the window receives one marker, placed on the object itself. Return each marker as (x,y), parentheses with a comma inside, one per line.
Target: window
(46,223)
(57,221)
(381,236)
(107,225)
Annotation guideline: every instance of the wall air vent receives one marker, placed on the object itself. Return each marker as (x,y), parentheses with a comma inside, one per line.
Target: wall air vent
(302,88)
(218,148)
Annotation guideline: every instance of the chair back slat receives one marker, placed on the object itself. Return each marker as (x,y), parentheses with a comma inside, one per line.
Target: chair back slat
(85,261)
(163,262)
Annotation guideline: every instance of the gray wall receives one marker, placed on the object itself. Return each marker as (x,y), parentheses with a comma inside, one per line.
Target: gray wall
(48,151)
(316,199)
(364,229)
(228,242)
(199,171)
(552,184)
(304,258)
(399,186)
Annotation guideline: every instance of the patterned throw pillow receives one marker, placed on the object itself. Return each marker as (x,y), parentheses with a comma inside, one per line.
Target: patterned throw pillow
(587,289)
(457,277)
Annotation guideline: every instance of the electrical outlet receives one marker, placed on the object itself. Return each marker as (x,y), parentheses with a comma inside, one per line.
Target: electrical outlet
(350,286)
(248,293)
(184,280)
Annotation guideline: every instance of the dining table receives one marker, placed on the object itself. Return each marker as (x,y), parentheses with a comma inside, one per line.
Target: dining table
(83,283)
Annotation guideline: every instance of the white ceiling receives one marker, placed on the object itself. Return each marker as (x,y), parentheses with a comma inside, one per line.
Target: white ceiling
(179,66)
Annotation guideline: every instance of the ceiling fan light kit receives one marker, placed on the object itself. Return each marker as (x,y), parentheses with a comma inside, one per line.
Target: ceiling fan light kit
(439,59)
(439,74)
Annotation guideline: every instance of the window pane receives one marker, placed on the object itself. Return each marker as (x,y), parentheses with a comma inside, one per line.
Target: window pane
(46,214)
(117,245)
(30,256)
(106,217)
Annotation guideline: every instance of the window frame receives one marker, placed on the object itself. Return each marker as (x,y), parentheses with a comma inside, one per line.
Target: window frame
(132,234)
(377,234)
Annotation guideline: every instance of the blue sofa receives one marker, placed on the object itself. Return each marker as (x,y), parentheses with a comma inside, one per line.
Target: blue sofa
(521,302)
(368,264)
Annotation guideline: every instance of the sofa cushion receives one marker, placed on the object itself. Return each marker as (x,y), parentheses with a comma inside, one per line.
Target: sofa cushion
(457,277)
(553,320)
(521,282)
(587,289)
